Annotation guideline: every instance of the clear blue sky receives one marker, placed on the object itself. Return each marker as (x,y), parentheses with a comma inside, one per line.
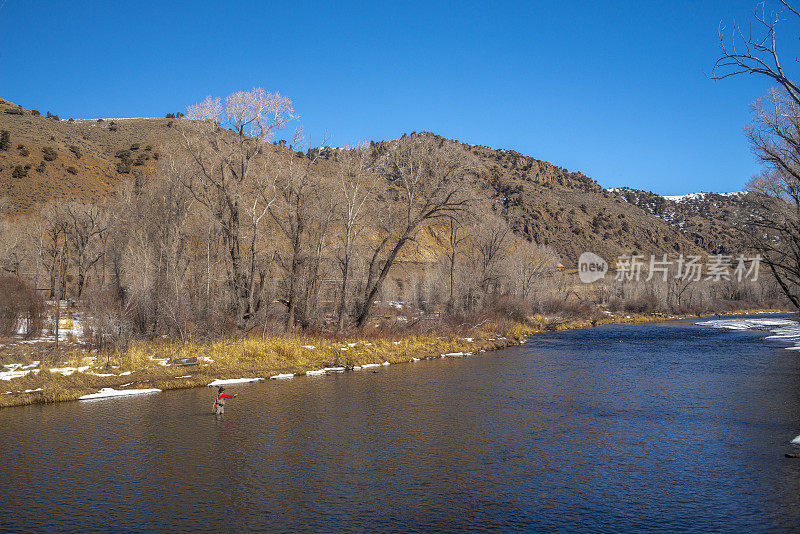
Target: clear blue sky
(616,90)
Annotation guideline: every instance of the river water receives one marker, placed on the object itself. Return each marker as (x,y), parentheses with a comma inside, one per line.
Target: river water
(669,427)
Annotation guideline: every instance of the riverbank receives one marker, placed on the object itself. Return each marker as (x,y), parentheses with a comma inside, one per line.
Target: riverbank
(151,365)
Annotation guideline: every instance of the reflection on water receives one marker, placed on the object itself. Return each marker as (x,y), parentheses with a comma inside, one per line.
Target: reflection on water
(664,427)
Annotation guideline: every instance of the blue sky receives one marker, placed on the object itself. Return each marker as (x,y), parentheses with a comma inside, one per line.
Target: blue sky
(616,90)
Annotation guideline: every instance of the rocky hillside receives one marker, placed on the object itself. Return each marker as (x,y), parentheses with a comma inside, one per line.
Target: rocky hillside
(45,158)
(713,221)
(571,212)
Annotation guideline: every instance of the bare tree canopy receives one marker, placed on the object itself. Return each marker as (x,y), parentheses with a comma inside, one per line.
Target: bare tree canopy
(774,135)
(428,181)
(255,113)
(755,51)
(233,175)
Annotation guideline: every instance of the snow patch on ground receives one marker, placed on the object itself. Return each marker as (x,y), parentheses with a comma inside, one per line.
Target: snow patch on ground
(8,375)
(70,325)
(17,370)
(111,392)
(67,371)
(282,376)
(228,381)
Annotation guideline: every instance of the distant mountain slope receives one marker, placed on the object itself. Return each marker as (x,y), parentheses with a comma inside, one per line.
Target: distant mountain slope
(87,159)
(713,221)
(571,212)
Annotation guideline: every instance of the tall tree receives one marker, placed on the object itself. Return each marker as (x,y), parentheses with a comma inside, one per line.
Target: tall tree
(356,184)
(426,176)
(86,230)
(290,212)
(231,174)
(775,138)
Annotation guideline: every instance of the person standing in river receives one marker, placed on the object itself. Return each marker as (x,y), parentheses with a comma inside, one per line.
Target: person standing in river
(219,404)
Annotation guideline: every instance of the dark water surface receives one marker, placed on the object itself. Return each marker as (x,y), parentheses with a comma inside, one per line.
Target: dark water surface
(668,427)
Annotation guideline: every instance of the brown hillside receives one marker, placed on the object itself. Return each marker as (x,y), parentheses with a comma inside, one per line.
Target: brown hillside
(88,159)
(82,164)
(569,211)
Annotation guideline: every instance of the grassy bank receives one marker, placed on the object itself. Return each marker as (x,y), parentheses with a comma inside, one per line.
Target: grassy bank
(146,364)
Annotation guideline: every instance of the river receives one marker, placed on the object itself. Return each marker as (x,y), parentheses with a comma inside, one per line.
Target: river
(665,427)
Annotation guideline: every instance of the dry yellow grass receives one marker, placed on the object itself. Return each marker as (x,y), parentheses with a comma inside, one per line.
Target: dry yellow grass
(140,365)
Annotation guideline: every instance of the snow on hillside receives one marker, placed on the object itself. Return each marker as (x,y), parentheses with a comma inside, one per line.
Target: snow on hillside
(664,207)
(622,191)
(700,196)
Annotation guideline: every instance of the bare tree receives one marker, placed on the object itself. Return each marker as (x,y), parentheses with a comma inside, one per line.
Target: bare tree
(86,230)
(427,177)
(748,53)
(290,211)
(775,138)
(491,244)
(230,174)
(320,238)
(776,221)
(13,245)
(356,184)
(532,262)
(455,241)
(53,227)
